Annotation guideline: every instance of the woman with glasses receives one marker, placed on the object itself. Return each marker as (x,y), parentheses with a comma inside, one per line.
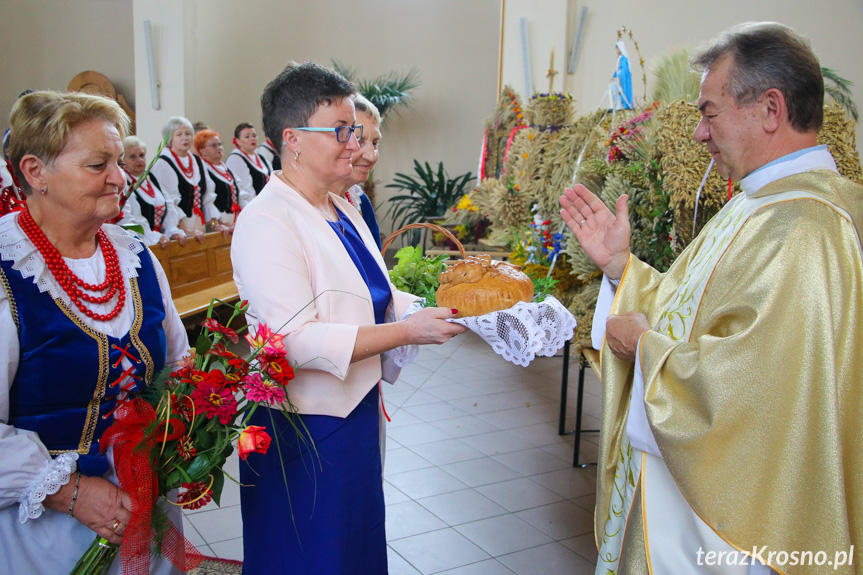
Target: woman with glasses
(209,147)
(250,168)
(309,267)
(364,161)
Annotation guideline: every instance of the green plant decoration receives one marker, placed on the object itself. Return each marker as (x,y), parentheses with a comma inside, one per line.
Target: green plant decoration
(430,193)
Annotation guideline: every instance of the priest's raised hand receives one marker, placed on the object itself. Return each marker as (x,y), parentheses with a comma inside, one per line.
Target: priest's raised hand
(603,236)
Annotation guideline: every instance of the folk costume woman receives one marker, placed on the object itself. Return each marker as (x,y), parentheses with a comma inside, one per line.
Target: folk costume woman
(147,206)
(209,147)
(297,241)
(86,320)
(270,155)
(251,170)
(184,180)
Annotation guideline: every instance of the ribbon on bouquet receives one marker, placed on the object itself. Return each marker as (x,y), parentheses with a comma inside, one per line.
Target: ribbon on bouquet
(132,449)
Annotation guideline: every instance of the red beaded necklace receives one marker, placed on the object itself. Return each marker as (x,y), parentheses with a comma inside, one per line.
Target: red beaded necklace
(226,175)
(71,283)
(188,172)
(256,158)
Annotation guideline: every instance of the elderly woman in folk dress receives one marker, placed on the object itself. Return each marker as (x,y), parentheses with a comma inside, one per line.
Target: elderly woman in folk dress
(364,161)
(86,319)
(147,206)
(209,147)
(250,168)
(184,180)
(309,266)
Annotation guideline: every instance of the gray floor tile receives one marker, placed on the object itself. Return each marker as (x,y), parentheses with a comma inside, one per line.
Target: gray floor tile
(511,418)
(560,520)
(496,443)
(553,558)
(584,545)
(464,426)
(447,451)
(410,518)
(479,404)
(438,551)
(450,391)
(487,567)
(191,533)
(539,435)
(518,494)
(393,495)
(478,472)
(230,549)
(219,524)
(531,461)
(397,564)
(462,506)
(434,411)
(416,434)
(503,534)
(425,482)
(403,459)
(419,397)
(569,483)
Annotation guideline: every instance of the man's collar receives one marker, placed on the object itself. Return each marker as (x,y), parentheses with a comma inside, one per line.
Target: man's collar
(805,160)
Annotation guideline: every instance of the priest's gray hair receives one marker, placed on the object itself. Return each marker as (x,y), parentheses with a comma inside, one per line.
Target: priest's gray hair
(769,55)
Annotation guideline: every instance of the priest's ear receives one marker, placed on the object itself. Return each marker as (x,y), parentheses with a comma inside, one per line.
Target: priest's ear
(774,110)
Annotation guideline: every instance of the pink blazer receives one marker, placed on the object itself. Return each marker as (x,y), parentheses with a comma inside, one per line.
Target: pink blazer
(301,282)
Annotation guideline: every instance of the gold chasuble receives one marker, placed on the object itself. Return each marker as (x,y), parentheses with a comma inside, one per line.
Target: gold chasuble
(753,384)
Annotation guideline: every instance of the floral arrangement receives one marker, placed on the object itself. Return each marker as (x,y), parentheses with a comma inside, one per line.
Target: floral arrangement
(628,134)
(538,244)
(179,431)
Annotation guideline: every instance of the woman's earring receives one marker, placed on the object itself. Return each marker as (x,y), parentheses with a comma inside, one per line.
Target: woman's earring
(43,191)
(296,156)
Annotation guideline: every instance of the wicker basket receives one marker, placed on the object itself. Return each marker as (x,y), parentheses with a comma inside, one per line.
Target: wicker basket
(417,226)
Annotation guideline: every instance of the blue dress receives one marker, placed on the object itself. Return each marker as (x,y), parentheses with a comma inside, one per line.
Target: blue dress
(330,519)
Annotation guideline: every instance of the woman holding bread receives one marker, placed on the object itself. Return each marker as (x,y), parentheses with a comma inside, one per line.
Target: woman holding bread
(309,267)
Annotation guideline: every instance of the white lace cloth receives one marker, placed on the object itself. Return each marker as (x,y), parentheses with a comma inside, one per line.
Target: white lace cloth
(406,354)
(54,476)
(526,330)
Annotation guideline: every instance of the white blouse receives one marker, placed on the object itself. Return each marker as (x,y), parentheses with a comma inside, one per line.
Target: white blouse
(27,471)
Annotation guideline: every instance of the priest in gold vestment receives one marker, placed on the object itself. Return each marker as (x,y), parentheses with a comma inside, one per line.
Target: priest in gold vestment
(733,383)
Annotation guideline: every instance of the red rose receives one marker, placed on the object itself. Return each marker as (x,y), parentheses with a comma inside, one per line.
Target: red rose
(253,439)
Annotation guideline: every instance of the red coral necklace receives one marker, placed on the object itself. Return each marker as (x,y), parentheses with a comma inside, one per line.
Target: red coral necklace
(71,283)
(188,172)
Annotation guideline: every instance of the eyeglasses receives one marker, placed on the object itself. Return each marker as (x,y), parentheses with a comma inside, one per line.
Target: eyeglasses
(343,133)
(215,145)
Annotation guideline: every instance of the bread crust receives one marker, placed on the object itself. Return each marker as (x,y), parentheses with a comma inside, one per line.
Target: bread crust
(478,285)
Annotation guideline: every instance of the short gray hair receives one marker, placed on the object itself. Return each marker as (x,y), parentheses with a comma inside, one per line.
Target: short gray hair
(173,124)
(133,142)
(769,55)
(363,104)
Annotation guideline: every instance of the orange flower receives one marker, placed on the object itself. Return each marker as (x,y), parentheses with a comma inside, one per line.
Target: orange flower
(253,439)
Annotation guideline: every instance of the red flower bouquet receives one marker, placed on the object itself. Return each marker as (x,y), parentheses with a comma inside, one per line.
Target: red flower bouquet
(177,434)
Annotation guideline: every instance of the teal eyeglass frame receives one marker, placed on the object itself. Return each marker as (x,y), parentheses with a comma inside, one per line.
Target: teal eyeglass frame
(357,130)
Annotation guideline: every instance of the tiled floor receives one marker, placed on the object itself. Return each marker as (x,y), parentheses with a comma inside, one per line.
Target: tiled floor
(477,480)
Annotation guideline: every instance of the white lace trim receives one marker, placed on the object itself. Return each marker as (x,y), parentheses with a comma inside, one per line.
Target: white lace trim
(524,331)
(54,476)
(406,354)
(16,247)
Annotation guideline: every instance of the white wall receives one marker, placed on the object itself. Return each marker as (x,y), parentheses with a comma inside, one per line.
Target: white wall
(46,43)
(547,32)
(833,26)
(167,27)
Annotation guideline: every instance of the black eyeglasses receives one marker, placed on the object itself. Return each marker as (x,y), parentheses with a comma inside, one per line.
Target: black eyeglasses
(343,133)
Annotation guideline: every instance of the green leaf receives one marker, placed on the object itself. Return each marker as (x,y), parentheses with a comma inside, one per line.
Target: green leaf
(218,485)
(200,468)
(202,346)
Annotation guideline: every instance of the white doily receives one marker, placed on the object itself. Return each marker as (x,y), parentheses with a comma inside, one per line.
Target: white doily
(524,331)
(54,476)
(405,354)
